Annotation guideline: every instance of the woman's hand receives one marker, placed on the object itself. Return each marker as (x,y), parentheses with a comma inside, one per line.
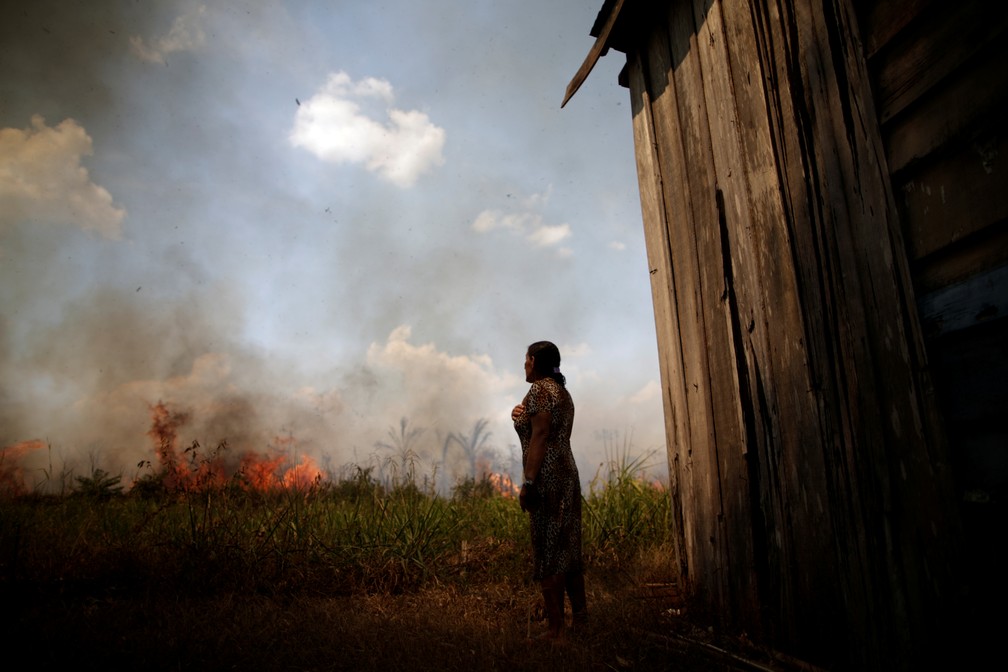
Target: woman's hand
(517,412)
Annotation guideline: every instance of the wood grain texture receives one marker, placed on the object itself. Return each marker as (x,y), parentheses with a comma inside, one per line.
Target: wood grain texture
(802,429)
(930,49)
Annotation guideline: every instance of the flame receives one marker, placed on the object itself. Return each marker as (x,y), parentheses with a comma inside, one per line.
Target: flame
(164,431)
(302,476)
(12,481)
(274,472)
(195,469)
(261,472)
(503,484)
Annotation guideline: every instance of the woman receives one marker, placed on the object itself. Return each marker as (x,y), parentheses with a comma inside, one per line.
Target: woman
(551,492)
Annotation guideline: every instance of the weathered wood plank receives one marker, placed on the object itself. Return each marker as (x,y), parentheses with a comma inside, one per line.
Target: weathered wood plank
(977,97)
(939,43)
(945,202)
(882,21)
(977,300)
(663,291)
(722,194)
(779,303)
(598,49)
(705,544)
(960,262)
(895,449)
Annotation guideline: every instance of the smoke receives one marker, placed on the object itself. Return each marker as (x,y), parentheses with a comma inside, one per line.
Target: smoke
(186,34)
(112,359)
(163,244)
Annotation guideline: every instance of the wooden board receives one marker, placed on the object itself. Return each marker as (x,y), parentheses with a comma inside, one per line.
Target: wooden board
(880,22)
(797,403)
(981,298)
(933,48)
(959,262)
(654,209)
(947,201)
(954,111)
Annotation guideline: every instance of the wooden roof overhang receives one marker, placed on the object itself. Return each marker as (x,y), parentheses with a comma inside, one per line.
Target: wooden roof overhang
(612,30)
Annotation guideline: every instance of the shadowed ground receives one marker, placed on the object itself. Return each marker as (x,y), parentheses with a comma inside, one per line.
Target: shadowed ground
(478,625)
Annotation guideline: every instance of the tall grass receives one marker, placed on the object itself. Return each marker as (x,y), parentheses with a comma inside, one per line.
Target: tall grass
(623,507)
(351,535)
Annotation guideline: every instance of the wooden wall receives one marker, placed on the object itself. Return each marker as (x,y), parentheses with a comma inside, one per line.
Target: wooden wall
(806,449)
(939,75)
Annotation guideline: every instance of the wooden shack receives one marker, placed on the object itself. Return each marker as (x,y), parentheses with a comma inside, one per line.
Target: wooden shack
(824,206)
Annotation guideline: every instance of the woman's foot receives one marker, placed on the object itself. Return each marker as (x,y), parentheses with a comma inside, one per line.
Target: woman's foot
(549,636)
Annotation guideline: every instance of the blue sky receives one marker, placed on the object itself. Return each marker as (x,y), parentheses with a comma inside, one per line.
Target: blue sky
(311,219)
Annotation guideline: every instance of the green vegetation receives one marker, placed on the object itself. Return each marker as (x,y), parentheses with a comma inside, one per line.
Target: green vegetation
(353,574)
(352,535)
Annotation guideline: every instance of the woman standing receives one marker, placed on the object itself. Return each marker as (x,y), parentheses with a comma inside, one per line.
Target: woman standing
(551,492)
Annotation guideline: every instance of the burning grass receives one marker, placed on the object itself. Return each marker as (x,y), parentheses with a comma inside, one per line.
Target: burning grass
(346,575)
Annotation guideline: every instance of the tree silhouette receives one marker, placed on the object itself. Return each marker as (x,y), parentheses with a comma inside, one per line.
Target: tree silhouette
(472,445)
(401,446)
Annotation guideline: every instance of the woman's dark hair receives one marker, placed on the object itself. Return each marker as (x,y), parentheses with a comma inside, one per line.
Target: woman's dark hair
(546,361)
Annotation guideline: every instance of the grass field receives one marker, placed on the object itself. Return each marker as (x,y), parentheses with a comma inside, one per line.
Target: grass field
(350,575)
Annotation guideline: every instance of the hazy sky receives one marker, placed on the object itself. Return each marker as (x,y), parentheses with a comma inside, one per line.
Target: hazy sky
(309,219)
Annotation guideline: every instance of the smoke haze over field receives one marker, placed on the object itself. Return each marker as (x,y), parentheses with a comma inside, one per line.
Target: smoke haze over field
(302,222)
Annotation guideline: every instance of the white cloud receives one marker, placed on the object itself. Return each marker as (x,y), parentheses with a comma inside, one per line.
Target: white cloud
(332,126)
(186,34)
(547,236)
(525,223)
(617,245)
(488,220)
(41,179)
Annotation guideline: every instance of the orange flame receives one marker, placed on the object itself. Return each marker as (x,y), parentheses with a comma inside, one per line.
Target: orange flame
(194,470)
(261,472)
(504,485)
(164,432)
(302,476)
(12,481)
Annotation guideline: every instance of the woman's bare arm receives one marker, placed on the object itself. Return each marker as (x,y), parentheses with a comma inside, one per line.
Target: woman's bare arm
(537,444)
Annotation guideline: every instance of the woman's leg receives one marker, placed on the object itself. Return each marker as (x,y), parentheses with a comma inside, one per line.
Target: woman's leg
(574,584)
(553,599)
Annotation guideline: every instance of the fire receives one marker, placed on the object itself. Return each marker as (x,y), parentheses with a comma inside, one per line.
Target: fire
(302,476)
(503,484)
(195,469)
(11,472)
(164,432)
(261,472)
(273,472)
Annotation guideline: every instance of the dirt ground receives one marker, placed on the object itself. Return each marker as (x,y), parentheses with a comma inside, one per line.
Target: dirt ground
(490,626)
